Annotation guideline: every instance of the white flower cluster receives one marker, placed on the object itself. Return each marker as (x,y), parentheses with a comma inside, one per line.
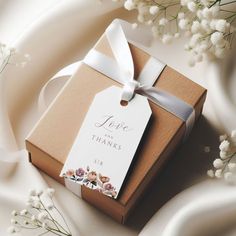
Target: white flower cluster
(38,215)
(225,165)
(6,54)
(210,34)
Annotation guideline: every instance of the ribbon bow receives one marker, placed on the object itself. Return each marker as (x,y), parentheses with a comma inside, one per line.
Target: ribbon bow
(122,70)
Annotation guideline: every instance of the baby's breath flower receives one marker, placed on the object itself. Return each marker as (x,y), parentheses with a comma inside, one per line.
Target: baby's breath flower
(163,21)
(184,2)
(167,38)
(141,18)
(218,173)
(213,24)
(23,212)
(32,192)
(50,206)
(203,46)
(223,155)
(225,165)
(196,27)
(221,25)
(207,13)
(195,39)
(181,15)
(192,17)
(26,222)
(210,173)
(12,230)
(154,10)
(177,35)
(50,192)
(192,6)
(150,22)
(42,216)
(215,10)
(184,24)
(39,192)
(218,163)
(224,146)
(129,5)
(216,38)
(14,221)
(32,219)
(14,213)
(36,204)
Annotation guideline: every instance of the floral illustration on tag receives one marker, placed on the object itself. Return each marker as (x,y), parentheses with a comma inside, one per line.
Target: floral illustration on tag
(92,180)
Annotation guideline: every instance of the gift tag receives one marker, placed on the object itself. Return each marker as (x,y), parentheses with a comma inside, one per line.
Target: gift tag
(107,141)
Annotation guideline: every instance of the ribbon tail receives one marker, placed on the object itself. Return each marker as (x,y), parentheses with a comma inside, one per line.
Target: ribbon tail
(63,74)
(172,104)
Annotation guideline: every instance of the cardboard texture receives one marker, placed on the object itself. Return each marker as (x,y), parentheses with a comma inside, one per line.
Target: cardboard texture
(51,139)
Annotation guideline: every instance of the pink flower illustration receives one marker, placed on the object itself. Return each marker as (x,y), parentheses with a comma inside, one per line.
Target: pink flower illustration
(104,179)
(92,176)
(92,180)
(80,172)
(108,187)
(70,173)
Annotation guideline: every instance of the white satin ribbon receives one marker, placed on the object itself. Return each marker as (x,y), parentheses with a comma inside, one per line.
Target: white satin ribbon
(122,70)
(64,74)
(8,160)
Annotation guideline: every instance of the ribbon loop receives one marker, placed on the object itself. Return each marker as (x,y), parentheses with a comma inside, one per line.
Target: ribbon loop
(123,56)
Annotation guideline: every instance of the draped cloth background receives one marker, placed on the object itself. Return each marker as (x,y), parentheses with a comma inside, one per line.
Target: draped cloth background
(56,34)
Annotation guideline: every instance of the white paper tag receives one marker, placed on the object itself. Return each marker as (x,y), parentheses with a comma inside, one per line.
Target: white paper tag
(107,141)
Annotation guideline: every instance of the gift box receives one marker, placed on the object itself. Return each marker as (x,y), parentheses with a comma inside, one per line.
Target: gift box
(51,140)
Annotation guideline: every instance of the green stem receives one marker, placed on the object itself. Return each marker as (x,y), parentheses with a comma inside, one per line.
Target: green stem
(59,231)
(5,62)
(214,3)
(227,3)
(227,11)
(55,233)
(61,216)
(46,232)
(53,221)
(226,161)
(233,15)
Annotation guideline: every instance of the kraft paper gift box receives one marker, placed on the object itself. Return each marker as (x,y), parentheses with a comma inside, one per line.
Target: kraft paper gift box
(51,139)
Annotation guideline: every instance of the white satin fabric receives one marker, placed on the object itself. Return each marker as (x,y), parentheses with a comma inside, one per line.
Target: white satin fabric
(55,34)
